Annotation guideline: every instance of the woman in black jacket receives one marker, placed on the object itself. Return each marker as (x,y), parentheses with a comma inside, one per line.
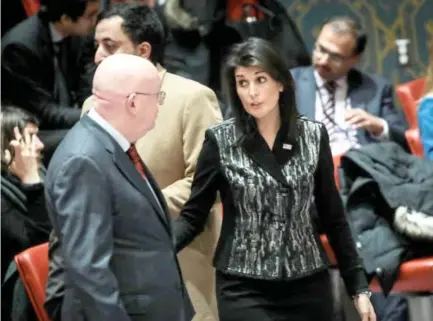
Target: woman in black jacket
(24,219)
(271,167)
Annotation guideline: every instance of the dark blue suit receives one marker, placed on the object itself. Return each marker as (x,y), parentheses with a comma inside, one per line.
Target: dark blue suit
(115,239)
(369,92)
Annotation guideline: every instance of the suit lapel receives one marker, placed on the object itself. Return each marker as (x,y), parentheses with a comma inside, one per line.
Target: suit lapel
(259,152)
(47,53)
(128,169)
(361,90)
(158,194)
(361,93)
(306,93)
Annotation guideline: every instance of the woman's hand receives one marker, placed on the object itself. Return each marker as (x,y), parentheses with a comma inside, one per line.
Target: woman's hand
(26,161)
(364,307)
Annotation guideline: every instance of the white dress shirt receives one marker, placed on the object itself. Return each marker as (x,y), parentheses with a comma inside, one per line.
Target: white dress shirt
(344,137)
(118,137)
(55,35)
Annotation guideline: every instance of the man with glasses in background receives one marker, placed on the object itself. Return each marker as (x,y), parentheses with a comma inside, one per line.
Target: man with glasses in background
(357,109)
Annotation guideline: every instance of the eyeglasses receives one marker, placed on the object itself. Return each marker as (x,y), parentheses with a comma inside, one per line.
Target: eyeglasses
(160,96)
(335,58)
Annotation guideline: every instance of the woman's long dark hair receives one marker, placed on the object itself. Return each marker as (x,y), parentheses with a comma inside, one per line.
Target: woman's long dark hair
(259,52)
(12,117)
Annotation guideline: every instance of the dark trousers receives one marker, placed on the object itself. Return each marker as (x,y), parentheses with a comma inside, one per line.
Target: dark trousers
(305,299)
(391,308)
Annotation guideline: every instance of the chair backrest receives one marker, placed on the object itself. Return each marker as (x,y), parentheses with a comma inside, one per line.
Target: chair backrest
(414,141)
(31,7)
(337,161)
(32,265)
(235,9)
(409,95)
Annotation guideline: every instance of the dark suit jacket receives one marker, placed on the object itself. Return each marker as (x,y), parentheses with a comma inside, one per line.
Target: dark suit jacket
(268,231)
(369,92)
(27,71)
(116,241)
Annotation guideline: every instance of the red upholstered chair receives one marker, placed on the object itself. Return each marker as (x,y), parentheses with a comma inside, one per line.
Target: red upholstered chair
(32,265)
(409,95)
(415,276)
(31,6)
(337,161)
(235,9)
(414,140)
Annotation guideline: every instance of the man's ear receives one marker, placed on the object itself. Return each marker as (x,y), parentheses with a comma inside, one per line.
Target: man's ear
(356,58)
(144,50)
(65,20)
(130,103)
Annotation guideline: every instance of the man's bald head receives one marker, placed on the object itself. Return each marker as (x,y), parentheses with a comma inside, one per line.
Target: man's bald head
(125,91)
(120,75)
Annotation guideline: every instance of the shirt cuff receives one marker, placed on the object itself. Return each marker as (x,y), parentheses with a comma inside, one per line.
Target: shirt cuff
(384,135)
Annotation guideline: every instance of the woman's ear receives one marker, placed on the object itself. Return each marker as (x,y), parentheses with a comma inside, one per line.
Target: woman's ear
(280,86)
(144,50)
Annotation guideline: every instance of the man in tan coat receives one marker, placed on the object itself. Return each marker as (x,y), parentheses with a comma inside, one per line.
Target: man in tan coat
(171,149)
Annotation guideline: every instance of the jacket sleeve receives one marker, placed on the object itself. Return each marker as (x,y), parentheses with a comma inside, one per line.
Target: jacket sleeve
(394,117)
(200,112)
(83,221)
(204,189)
(87,68)
(333,219)
(425,121)
(29,229)
(21,72)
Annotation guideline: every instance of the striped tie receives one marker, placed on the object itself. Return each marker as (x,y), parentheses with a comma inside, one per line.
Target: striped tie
(329,108)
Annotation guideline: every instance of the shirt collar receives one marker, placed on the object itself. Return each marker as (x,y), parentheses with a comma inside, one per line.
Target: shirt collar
(341,82)
(117,136)
(55,35)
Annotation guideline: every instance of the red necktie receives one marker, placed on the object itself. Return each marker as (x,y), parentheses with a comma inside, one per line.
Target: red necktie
(133,154)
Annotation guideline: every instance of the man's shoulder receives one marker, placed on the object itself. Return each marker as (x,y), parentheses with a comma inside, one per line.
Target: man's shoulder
(186,94)
(79,143)
(87,105)
(183,86)
(356,75)
(26,33)
(300,71)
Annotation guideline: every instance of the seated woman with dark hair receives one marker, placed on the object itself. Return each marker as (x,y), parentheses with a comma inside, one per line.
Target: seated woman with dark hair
(24,219)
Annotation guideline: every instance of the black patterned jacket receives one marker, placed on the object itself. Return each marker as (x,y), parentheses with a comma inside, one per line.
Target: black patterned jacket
(267,196)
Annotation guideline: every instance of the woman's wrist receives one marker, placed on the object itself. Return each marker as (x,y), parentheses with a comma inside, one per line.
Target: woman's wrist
(30,179)
(366,293)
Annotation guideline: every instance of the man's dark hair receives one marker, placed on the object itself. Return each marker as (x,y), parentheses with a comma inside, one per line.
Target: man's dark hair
(344,25)
(261,53)
(53,10)
(140,24)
